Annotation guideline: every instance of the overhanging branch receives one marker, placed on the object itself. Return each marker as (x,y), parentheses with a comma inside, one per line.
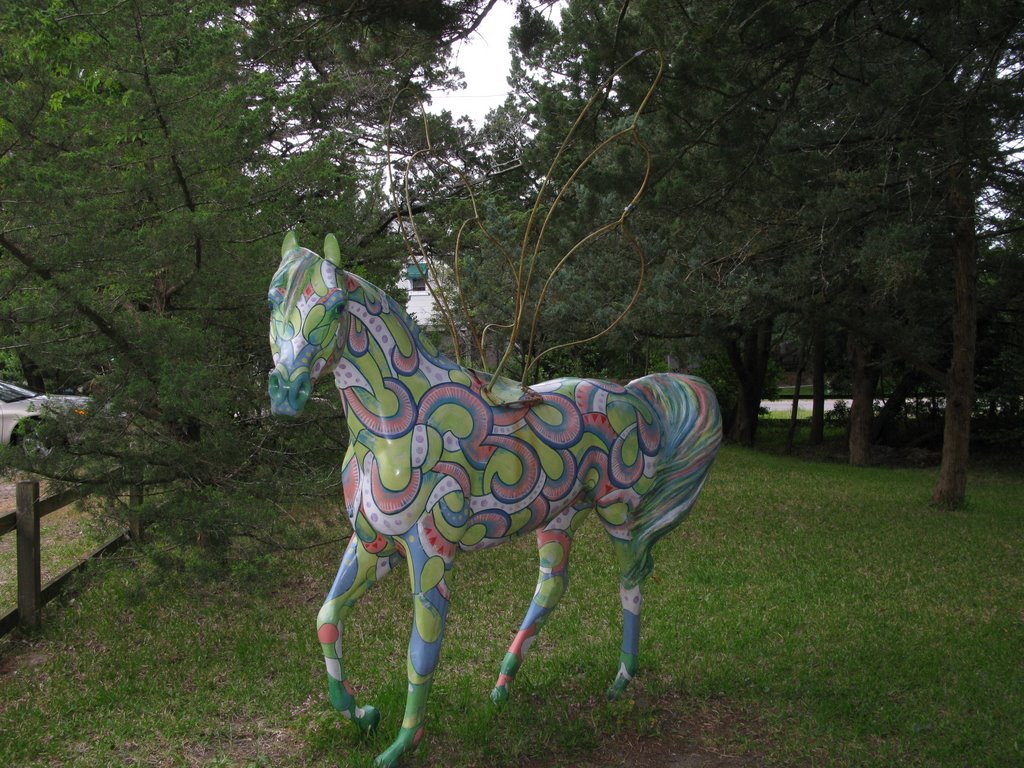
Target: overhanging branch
(102,325)
(424,205)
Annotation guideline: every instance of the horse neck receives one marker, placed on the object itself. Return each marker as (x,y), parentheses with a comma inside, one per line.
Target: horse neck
(381,342)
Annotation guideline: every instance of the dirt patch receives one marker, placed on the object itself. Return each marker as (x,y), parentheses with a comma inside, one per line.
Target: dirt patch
(7,497)
(9,489)
(686,740)
(21,662)
(672,751)
(681,733)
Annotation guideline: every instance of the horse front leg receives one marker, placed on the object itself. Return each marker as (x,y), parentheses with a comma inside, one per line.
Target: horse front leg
(360,569)
(430,610)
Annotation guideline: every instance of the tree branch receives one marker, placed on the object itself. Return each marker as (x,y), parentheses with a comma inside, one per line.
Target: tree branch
(179,173)
(422,206)
(102,325)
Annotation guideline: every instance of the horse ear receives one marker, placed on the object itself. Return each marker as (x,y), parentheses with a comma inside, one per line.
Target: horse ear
(332,251)
(290,243)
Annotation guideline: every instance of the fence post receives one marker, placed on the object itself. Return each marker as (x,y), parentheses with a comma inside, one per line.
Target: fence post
(29,570)
(134,502)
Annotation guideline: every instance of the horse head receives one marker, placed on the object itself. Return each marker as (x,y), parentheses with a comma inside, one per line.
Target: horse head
(307,301)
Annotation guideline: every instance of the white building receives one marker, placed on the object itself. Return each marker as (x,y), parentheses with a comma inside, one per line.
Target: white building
(421,303)
(422,308)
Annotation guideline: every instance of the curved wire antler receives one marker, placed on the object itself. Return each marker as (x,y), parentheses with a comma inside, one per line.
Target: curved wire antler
(441,300)
(528,259)
(523,271)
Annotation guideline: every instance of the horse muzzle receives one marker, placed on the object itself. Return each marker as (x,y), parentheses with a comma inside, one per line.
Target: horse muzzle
(288,395)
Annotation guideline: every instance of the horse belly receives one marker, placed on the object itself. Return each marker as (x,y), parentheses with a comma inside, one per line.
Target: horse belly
(490,527)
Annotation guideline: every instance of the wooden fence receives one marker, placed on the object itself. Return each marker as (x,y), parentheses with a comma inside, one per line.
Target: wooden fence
(32,593)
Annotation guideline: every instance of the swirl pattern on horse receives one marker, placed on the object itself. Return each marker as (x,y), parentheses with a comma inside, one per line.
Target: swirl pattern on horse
(435,466)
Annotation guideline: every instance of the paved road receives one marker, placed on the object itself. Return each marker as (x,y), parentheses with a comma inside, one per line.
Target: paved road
(805,404)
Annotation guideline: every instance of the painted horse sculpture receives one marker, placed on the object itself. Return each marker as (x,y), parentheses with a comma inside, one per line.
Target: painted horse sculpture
(439,462)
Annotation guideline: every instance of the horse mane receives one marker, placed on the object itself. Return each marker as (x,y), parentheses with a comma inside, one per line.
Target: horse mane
(498,390)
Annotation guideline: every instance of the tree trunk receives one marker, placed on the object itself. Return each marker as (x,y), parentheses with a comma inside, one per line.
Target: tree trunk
(818,385)
(795,408)
(33,376)
(748,356)
(865,377)
(894,405)
(952,483)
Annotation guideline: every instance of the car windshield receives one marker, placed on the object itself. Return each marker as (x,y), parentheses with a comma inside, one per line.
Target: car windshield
(11,393)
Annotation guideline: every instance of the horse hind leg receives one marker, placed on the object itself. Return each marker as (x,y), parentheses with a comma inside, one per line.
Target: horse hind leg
(553,543)
(629,656)
(632,601)
(635,560)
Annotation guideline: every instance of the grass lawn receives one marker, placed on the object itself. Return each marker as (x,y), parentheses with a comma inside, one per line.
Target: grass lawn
(802,414)
(807,614)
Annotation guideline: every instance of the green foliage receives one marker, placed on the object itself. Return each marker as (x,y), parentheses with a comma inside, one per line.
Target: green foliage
(838,415)
(806,157)
(151,157)
(10,366)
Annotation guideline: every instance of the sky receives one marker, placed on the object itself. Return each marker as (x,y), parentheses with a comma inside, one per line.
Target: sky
(485,59)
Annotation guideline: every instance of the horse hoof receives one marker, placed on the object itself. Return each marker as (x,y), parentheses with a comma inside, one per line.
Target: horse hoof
(615,691)
(367,719)
(499,695)
(408,739)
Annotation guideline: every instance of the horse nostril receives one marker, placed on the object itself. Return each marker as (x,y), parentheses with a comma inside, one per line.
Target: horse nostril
(273,385)
(288,396)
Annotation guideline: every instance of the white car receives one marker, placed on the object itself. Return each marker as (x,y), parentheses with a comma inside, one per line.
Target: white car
(20,407)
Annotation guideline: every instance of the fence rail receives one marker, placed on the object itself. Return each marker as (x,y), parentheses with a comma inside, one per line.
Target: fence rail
(24,520)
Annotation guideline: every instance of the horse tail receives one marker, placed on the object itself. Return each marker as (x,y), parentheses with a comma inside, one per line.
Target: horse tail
(691,428)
